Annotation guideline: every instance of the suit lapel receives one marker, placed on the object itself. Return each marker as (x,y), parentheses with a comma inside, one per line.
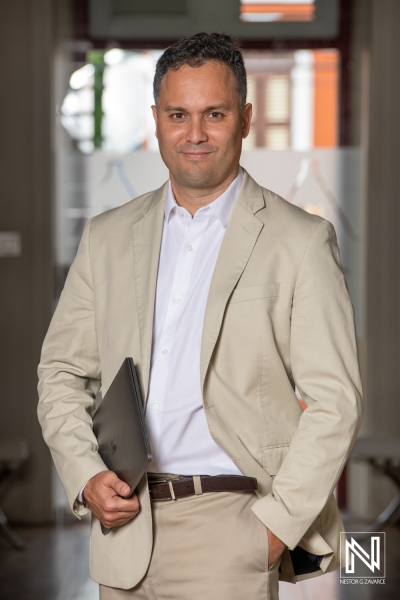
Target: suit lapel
(146,239)
(240,237)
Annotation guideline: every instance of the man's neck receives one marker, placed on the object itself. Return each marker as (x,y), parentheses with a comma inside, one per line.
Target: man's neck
(193,199)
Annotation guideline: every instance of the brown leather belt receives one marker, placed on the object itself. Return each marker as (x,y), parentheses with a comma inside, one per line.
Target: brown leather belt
(188,486)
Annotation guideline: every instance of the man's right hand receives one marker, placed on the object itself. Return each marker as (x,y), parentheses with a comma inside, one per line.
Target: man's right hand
(106,496)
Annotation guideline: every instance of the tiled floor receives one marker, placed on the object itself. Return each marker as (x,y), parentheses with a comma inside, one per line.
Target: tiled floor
(54,566)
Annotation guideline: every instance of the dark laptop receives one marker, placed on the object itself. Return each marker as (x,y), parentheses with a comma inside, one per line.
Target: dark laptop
(120,428)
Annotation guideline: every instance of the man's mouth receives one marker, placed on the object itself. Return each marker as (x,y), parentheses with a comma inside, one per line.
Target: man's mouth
(196,155)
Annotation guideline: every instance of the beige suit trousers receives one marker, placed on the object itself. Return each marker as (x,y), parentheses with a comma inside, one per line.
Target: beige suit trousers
(209,546)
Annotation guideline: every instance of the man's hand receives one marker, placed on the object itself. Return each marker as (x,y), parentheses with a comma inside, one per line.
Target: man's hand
(106,496)
(276,547)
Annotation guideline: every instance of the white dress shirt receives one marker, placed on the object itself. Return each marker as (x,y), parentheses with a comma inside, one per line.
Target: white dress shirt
(179,436)
(180,439)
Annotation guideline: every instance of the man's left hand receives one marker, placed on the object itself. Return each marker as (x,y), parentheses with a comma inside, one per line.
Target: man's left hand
(276,547)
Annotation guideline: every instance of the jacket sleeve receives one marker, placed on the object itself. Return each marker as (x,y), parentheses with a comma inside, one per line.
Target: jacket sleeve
(325,369)
(69,378)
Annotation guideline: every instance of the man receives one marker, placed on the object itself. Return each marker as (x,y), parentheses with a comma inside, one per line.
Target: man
(227,297)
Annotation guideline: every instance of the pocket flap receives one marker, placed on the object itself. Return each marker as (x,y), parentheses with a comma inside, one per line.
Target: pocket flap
(273,457)
(254,292)
(313,542)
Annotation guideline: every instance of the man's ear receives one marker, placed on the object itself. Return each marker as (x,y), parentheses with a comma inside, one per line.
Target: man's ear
(246,119)
(155,116)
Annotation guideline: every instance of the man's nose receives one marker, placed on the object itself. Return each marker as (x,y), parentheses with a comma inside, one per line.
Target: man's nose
(196,131)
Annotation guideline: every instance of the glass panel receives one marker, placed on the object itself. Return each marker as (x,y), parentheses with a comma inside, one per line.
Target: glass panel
(277,107)
(277,137)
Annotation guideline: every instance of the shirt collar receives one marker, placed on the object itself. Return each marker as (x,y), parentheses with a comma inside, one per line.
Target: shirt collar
(221,207)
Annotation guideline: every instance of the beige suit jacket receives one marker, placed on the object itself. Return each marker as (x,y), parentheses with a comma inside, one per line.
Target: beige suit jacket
(278,315)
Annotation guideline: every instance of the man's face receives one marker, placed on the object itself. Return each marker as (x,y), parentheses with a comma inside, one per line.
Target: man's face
(200,126)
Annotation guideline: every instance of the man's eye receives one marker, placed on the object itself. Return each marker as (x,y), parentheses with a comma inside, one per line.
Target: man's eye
(215,115)
(177,116)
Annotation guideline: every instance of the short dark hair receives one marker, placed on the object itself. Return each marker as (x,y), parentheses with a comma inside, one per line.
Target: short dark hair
(198,49)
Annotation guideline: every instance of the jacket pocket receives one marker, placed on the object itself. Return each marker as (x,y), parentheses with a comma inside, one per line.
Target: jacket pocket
(273,457)
(314,543)
(254,292)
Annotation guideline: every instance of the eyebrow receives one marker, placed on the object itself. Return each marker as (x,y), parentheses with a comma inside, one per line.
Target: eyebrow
(207,109)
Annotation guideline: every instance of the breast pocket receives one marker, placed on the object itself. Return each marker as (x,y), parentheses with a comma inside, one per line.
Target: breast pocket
(255,292)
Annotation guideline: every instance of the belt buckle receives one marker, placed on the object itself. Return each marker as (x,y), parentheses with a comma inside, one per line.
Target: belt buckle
(171,488)
(169,481)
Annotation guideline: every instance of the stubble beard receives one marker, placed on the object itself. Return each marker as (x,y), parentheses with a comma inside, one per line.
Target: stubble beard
(196,176)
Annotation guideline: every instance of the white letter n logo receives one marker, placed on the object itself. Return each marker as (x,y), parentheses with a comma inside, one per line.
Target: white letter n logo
(352,548)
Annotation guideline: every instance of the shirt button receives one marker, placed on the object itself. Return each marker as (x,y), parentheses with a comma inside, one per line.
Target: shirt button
(155,406)
(181,213)
(177,300)
(165,351)
(189,247)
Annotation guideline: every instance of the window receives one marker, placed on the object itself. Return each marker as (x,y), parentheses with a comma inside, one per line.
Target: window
(295,99)
(269,91)
(277,10)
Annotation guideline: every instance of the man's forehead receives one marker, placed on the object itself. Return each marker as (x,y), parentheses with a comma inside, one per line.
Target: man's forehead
(209,85)
(210,72)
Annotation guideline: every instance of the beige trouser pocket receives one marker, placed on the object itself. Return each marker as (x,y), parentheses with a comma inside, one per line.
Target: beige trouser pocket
(210,546)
